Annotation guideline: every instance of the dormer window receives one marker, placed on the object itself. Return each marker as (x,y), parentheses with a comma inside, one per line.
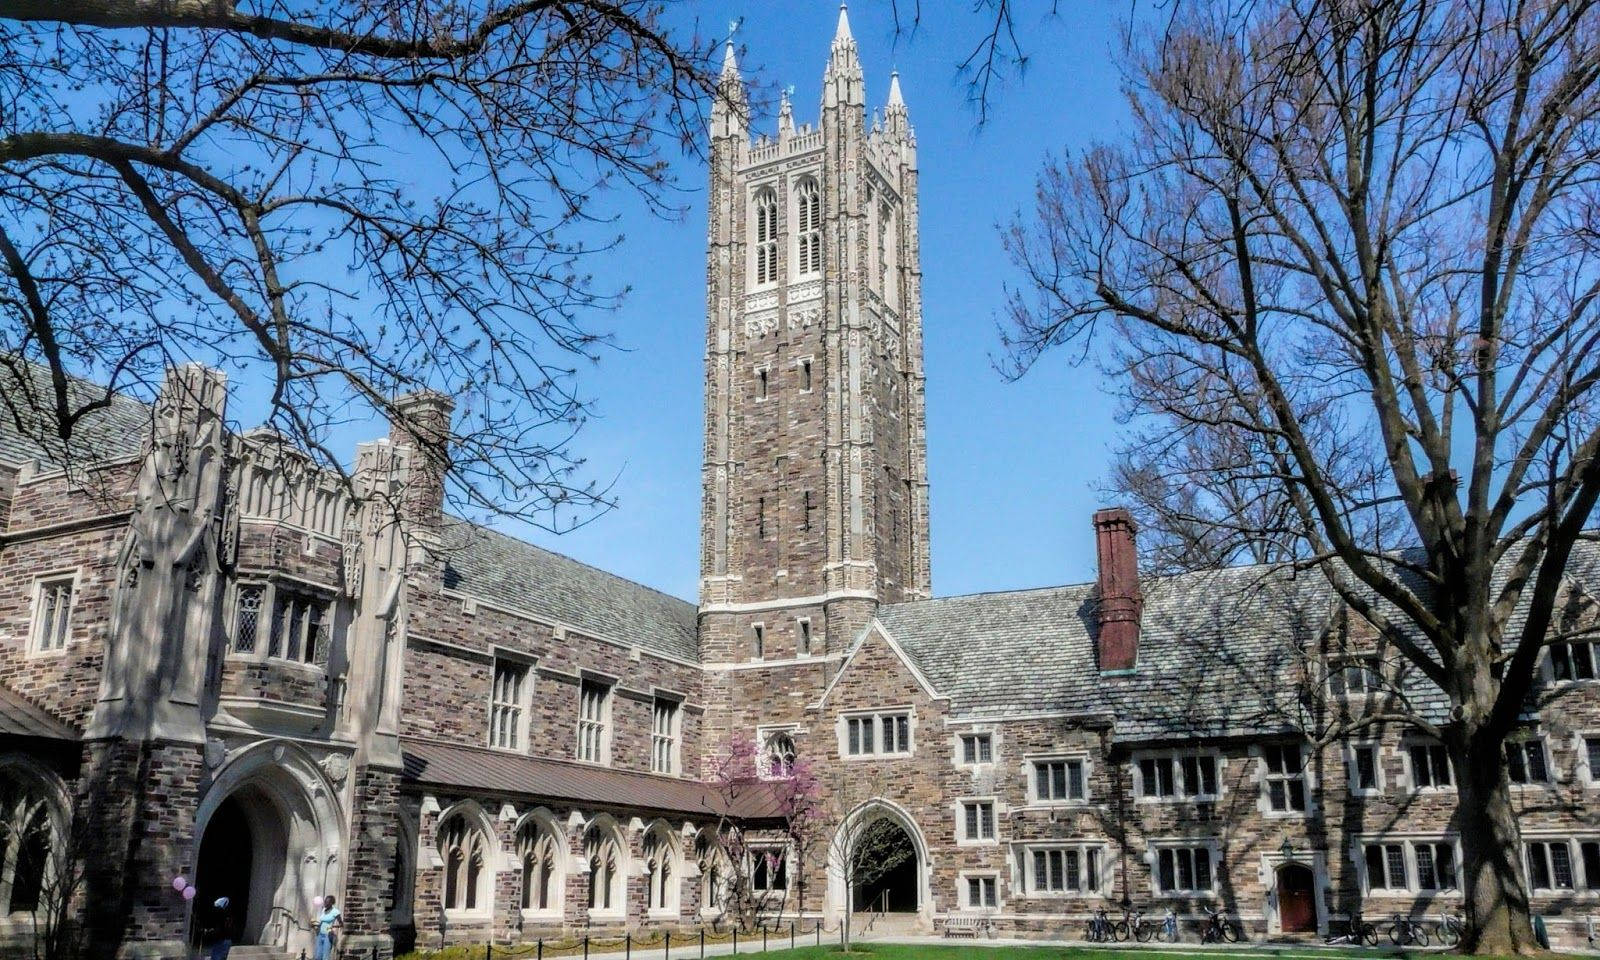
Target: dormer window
(766,236)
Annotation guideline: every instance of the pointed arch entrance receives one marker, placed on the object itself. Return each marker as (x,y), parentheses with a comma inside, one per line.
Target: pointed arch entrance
(270,838)
(878,858)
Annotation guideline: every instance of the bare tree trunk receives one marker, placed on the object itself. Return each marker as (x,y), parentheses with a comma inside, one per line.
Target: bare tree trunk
(1495,896)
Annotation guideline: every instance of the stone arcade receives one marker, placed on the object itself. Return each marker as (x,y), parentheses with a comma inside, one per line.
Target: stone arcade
(229,668)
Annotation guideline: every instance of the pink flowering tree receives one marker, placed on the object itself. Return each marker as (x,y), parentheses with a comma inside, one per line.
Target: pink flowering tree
(768,821)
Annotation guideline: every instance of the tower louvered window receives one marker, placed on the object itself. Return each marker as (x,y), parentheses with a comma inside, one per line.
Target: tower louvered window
(766,222)
(808,224)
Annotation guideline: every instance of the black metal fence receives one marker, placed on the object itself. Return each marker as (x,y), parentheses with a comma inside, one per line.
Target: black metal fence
(684,946)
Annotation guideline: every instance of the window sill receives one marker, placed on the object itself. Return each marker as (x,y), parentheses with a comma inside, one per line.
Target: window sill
(1060,895)
(1034,804)
(981,842)
(606,914)
(660,913)
(551,915)
(868,757)
(34,653)
(473,915)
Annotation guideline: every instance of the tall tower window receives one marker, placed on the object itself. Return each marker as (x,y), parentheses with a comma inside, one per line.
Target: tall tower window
(805,375)
(766,245)
(758,640)
(888,257)
(808,224)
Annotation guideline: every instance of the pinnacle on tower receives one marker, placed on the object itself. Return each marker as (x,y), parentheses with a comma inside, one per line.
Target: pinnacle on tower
(729,113)
(785,116)
(843,62)
(895,115)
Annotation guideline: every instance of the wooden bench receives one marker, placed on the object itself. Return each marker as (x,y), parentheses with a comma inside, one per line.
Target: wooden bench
(968,926)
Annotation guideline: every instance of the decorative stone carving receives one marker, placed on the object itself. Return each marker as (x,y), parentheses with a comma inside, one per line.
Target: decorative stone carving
(337,767)
(761,324)
(215,754)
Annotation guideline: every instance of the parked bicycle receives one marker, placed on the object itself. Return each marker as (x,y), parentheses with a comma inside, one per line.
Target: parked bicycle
(1100,928)
(1405,931)
(1133,926)
(1450,930)
(1220,929)
(1356,931)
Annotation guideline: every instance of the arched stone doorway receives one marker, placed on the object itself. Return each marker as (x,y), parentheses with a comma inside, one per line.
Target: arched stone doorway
(884,869)
(269,834)
(1297,899)
(879,860)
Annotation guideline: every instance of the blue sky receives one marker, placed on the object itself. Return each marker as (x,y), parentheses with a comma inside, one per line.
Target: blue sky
(1015,468)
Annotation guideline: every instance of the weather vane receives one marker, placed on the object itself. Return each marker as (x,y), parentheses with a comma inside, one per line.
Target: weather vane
(733,28)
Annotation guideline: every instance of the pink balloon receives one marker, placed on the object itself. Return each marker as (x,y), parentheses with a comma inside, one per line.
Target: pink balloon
(179,882)
(188,893)
(318,902)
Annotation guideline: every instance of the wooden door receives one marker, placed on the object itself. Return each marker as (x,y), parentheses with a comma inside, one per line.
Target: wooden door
(1297,899)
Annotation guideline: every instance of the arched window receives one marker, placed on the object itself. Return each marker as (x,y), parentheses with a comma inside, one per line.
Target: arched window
(778,757)
(27,844)
(660,856)
(808,227)
(605,868)
(465,851)
(766,241)
(539,853)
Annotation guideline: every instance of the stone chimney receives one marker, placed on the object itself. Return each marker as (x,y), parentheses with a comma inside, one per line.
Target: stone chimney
(1120,600)
(421,430)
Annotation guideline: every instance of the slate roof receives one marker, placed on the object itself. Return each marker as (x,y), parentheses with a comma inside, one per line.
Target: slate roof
(19,717)
(1219,651)
(431,763)
(502,569)
(110,433)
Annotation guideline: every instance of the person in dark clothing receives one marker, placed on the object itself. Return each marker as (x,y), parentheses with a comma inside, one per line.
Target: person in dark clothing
(216,929)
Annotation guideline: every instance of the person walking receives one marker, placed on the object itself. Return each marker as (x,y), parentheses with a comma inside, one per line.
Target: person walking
(216,929)
(327,922)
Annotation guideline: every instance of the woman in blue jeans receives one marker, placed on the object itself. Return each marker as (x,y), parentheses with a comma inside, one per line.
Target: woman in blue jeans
(326,922)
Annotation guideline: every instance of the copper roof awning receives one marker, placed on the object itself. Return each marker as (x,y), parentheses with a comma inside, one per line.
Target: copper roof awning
(431,763)
(19,717)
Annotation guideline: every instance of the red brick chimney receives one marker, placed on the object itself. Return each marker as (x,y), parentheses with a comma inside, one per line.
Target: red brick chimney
(1120,599)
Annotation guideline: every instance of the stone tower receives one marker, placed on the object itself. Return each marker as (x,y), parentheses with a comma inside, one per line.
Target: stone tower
(815,487)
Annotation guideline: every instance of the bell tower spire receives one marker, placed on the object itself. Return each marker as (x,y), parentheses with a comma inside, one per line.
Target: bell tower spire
(814,507)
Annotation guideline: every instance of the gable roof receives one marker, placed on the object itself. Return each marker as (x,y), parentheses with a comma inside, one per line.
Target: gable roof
(20,717)
(501,569)
(113,432)
(1220,651)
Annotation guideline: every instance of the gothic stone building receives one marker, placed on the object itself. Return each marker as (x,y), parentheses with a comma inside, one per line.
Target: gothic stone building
(218,664)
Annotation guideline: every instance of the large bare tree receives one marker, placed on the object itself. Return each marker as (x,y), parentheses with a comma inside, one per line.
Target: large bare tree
(1345,259)
(341,202)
